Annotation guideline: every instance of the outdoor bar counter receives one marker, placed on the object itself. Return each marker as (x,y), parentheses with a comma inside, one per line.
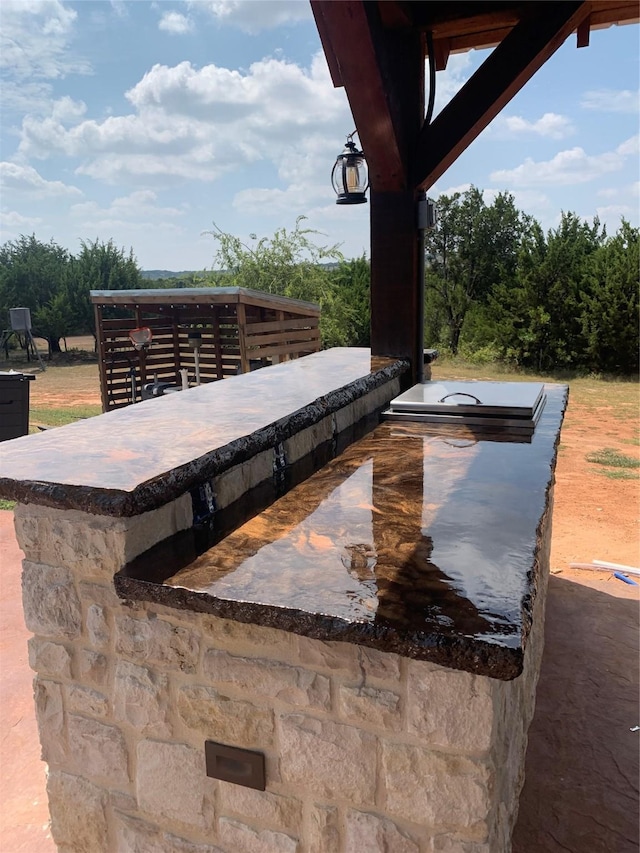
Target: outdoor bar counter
(263,564)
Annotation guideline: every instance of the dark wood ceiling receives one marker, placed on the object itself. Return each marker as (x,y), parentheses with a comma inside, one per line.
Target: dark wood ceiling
(461,26)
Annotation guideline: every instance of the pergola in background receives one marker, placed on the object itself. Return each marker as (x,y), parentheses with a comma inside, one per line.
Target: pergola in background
(377,51)
(236,330)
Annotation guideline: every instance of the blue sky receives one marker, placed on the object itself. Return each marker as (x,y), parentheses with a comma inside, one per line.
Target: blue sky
(148,122)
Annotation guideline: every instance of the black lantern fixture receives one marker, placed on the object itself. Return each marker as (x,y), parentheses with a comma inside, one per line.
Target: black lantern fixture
(350,176)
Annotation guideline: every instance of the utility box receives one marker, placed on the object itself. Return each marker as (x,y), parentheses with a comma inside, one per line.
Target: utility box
(20,319)
(14,404)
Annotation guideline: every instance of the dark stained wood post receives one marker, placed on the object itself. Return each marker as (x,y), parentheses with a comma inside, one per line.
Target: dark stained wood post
(395,289)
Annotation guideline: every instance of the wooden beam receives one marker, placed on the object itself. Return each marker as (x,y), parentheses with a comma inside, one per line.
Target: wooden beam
(327,47)
(376,69)
(441,51)
(583,32)
(395,289)
(498,79)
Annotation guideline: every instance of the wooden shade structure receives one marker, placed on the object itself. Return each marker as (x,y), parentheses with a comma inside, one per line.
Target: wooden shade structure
(239,330)
(377,51)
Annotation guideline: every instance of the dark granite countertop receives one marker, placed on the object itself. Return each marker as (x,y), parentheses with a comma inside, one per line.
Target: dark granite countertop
(417,539)
(132,460)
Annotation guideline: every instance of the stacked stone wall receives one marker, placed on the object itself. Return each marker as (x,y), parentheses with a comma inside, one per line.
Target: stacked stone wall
(365,751)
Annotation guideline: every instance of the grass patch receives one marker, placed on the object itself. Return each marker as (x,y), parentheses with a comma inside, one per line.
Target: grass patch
(634,441)
(6,504)
(612,458)
(619,474)
(59,417)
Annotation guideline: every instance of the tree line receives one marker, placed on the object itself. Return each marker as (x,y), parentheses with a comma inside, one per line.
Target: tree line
(497,286)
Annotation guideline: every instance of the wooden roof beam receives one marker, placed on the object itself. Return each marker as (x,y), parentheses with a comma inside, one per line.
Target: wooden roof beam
(383,74)
(493,85)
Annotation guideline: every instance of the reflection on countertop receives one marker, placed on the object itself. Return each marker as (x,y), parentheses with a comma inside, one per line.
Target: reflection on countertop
(414,540)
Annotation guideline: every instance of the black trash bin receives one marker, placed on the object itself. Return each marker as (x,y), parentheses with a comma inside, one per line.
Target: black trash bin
(14,404)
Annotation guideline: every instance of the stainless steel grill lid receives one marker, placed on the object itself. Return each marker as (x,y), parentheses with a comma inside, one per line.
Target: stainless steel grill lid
(512,404)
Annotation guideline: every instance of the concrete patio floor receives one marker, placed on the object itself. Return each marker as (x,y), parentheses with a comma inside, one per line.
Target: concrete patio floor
(581,790)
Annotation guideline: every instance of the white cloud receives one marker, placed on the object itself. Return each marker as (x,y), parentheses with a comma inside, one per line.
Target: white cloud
(614,212)
(119,8)
(549,125)
(611,101)
(573,166)
(175,23)
(251,17)
(197,124)
(35,40)
(137,212)
(26,181)
(13,224)
(631,190)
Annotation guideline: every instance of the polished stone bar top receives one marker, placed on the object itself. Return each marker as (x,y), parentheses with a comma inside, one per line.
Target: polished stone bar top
(418,539)
(135,459)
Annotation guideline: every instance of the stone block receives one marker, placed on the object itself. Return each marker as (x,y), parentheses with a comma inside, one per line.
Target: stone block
(91,666)
(290,684)
(97,546)
(98,750)
(97,626)
(375,834)
(449,844)
(260,806)
(97,593)
(449,708)
(134,835)
(370,705)
(381,665)
(307,440)
(237,481)
(51,722)
(84,700)
(142,699)
(171,782)
(157,641)
(49,658)
(93,545)
(338,658)
(437,789)
(239,838)
(244,638)
(51,604)
(216,717)
(78,813)
(143,531)
(327,759)
(323,830)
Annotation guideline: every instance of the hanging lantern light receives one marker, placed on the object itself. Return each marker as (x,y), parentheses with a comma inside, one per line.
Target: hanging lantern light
(350,176)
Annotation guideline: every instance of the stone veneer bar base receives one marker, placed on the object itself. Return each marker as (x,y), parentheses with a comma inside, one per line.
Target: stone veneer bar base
(365,750)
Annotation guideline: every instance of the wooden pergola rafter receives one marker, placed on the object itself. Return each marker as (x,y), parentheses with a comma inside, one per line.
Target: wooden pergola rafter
(376,51)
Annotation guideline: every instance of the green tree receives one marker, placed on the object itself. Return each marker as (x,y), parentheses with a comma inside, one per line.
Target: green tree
(35,275)
(289,263)
(539,314)
(609,318)
(100,266)
(473,247)
(347,319)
